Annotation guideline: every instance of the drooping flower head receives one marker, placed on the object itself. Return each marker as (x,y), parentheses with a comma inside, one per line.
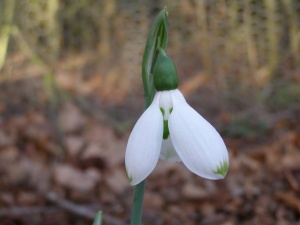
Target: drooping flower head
(171,130)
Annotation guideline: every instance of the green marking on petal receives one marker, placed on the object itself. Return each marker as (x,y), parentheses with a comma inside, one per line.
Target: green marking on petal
(130,178)
(222,168)
(166,130)
(171,110)
(169,154)
(166,127)
(162,111)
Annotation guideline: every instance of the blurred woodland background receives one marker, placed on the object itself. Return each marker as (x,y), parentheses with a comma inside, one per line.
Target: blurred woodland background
(71,90)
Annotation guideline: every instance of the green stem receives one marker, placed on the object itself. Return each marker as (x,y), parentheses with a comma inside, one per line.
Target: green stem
(137,206)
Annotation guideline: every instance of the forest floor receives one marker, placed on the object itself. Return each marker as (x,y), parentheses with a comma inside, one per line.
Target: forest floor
(62,162)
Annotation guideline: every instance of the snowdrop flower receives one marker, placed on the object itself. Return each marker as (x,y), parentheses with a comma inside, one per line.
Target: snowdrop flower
(173,131)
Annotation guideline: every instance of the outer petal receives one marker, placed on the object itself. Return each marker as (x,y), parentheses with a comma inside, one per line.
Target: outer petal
(143,147)
(168,152)
(197,143)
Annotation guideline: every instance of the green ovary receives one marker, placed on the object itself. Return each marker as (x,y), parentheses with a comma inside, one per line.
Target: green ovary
(164,74)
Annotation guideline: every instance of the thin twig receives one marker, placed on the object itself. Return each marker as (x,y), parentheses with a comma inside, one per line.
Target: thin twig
(79,209)
(20,211)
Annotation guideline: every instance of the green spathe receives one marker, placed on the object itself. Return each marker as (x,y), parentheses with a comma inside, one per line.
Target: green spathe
(164,74)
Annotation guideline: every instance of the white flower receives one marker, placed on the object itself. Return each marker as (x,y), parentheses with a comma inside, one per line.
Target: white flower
(173,131)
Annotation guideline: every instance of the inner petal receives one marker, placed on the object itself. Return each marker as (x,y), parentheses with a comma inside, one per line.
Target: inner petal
(168,152)
(166,104)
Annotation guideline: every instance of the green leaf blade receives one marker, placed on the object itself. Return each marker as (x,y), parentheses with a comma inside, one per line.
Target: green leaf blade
(98,219)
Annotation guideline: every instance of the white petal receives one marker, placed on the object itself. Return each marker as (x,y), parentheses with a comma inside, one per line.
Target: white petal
(143,147)
(168,152)
(198,144)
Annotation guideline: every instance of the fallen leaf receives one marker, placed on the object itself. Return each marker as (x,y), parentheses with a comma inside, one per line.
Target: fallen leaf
(290,199)
(73,178)
(191,191)
(74,145)
(117,180)
(71,118)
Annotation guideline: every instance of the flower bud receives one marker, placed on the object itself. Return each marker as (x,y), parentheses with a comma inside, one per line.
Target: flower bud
(164,74)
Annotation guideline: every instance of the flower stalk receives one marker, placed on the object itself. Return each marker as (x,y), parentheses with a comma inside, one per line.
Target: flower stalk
(137,206)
